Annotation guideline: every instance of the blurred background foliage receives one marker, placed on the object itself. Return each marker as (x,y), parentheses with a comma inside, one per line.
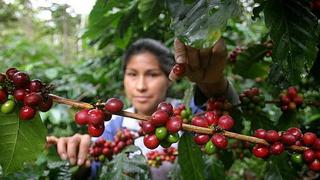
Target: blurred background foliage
(81,56)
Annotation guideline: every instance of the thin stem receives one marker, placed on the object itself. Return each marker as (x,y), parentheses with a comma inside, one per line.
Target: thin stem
(186,127)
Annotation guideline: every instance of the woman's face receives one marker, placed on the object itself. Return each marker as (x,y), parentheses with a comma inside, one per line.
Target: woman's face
(145,83)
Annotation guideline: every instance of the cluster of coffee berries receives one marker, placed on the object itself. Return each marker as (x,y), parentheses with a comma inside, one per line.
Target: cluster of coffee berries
(95,118)
(179,69)
(252,101)
(290,100)
(210,119)
(293,136)
(102,149)
(155,158)
(220,105)
(234,54)
(162,128)
(183,112)
(30,95)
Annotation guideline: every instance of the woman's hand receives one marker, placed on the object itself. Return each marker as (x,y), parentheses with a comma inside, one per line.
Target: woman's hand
(203,66)
(74,148)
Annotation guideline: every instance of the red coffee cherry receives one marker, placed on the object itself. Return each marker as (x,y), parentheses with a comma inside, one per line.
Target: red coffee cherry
(166,107)
(226,122)
(314,165)
(309,155)
(296,132)
(95,131)
(309,138)
(96,117)
(3,78)
(260,133)
(272,136)
(148,127)
(220,141)
(316,144)
(276,148)
(113,105)
(179,69)
(35,85)
(20,79)
(33,99)
(46,105)
(27,113)
(199,121)
(211,117)
(3,96)
(19,94)
(174,124)
(10,72)
(159,118)
(82,117)
(201,139)
(151,141)
(288,139)
(260,151)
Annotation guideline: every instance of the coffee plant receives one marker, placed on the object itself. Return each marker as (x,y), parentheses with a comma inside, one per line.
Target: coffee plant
(271,132)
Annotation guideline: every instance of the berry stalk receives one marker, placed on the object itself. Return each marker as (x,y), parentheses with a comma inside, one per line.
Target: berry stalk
(186,127)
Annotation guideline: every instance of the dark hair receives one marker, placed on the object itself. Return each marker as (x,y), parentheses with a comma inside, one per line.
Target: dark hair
(163,54)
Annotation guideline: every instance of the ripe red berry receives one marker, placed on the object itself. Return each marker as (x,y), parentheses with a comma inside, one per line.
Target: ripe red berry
(288,139)
(151,141)
(10,72)
(199,121)
(46,105)
(19,94)
(226,122)
(96,117)
(296,132)
(159,118)
(272,136)
(166,107)
(260,151)
(298,100)
(179,69)
(316,144)
(314,165)
(201,139)
(27,113)
(148,127)
(95,131)
(3,78)
(3,96)
(260,133)
(33,99)
(292,92)
(309,155)
(174,124)
(81,117)
(35,85)
(309,138)
(276,148)
(20,79)
(211,117)
(113,105)
(220,141)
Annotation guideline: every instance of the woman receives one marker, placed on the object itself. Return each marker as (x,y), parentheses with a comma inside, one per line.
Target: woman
(147,69)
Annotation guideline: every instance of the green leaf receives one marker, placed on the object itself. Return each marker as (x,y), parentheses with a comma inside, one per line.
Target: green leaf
(279,168)
(190,158)
(200,24)
(20,141)
(293,30)
(287,120)
(250,63)
(214,168)
(260,120)
(149,11)
(126,165)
